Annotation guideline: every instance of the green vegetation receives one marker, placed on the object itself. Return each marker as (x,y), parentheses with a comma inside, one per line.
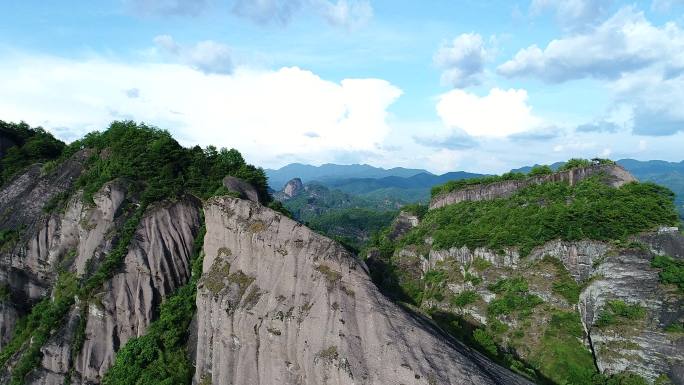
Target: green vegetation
(540,213)
(564,285)
(160,356)
(672,270)
(465,298)
(31,332)
(513,296)
(617,312)
(561,355)
(351,227)
(574,163)
(160,167)
(460,184)
(417,209)
(538,170)
(33,145)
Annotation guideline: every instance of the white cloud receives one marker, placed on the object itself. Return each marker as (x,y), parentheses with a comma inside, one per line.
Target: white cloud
(265,114)
(500,113)
(462,61)
(340,13)
(626,42)
(207,56)
(572,14)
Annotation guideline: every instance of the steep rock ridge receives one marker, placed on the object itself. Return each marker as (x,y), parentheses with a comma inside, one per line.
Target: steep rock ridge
(614,175)
(157,263)
(279,304)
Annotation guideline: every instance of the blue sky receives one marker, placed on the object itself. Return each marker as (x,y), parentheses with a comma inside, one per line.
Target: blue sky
(443,85)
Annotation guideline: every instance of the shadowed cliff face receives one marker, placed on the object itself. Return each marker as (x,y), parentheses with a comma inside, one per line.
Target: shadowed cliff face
(279,304)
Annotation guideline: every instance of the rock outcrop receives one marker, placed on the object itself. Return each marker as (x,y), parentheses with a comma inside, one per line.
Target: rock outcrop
(402,224)
(293,188)
(244,189)
(612,174)
(280,304)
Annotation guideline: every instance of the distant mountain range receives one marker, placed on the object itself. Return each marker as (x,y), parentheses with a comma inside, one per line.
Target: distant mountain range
(307,173)
(404,185)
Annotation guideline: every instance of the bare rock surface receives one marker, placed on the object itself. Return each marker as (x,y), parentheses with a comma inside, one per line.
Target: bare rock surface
(402,224)
(280,304)
(157,263)
(293,188)
(614,175)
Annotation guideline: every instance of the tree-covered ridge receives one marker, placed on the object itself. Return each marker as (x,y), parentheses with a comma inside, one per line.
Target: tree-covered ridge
(540,213)
(539,170)
(161,166)
(29,145)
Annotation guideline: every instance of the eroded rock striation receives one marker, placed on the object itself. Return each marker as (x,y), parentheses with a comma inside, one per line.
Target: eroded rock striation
(612,174)
(280,304)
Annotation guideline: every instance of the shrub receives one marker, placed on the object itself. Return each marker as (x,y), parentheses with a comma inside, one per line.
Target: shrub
(574,163)
(485,341)
(540,170)
(618,312)
(465,298)
(671,270)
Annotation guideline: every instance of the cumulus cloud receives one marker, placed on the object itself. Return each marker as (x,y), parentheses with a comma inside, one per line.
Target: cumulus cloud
(572,14)
(207,56)
(625,42)
(262,113)
(340,13)
(462,60)
(498,114)
(168,7)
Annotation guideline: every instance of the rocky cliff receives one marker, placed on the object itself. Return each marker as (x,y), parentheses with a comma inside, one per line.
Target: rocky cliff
(77,239)
(278,303)
(612,174)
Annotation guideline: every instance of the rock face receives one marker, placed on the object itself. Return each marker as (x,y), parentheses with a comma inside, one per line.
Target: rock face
(246,190)
(402,224)
(604,273)
(614,175)
(642,344)
(279,304)
(77,239)
(293,188)
(28,263)
(157,263)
